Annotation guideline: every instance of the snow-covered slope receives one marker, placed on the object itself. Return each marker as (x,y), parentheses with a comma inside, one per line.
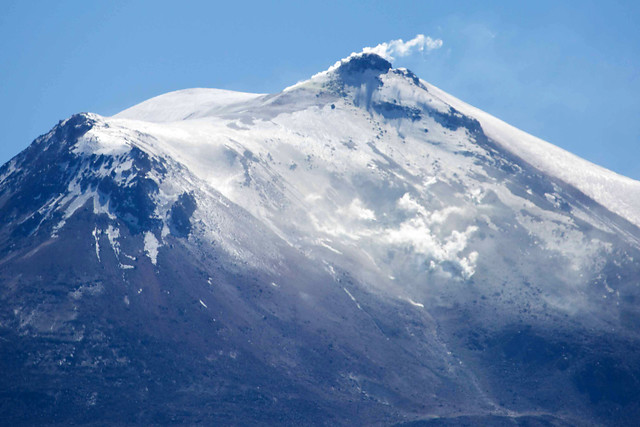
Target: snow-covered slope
(364,159)
(186,104)
(358,247)
(617,193)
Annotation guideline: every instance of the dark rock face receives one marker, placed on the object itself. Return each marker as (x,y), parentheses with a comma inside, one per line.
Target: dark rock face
(181,212)
(395,111)
(188,341)
(134,204)
(363,63)
(362,70)
(453,120)
(49,166)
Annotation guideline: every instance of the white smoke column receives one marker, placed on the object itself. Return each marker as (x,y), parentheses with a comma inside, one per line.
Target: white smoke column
(400,48)
(420,43)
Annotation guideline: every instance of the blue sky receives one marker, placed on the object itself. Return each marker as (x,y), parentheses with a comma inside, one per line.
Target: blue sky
(568,72)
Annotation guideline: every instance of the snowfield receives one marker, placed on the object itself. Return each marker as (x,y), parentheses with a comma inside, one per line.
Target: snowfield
(617,193)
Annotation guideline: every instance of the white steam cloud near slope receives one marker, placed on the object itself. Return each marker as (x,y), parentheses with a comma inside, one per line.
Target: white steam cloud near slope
(400,48)
(387,50)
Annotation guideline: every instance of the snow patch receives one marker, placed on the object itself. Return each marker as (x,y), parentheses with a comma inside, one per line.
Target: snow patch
(352,298)
(83,290)
(413,303)
(113,234)
(326,245)
(95,234)
(151,246)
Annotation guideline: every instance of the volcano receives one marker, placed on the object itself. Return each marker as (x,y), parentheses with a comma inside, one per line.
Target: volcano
(360,248)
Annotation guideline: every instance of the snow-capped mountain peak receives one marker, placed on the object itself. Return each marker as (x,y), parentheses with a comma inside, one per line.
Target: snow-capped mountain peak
(361,233)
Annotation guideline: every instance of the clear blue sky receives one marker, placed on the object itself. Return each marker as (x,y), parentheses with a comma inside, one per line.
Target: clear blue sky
(568,72)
